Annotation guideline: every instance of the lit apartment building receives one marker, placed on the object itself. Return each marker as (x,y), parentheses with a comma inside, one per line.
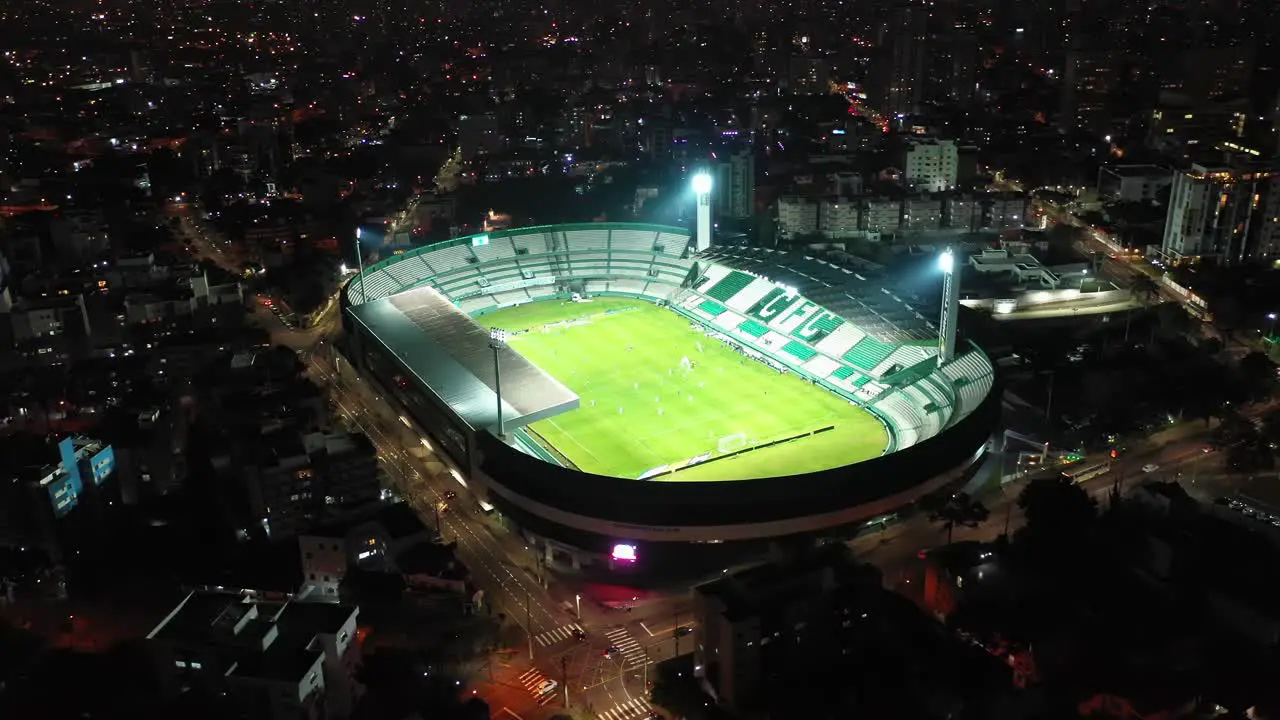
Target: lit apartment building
(1224,211)
(930,164)
(301,478)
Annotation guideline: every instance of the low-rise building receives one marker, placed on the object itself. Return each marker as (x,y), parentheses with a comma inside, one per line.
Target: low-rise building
(1133,183)
(274,659)
(300,478)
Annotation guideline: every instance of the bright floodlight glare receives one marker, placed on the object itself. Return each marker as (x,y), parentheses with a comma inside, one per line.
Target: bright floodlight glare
(625,553)
(947,262)
(702,183)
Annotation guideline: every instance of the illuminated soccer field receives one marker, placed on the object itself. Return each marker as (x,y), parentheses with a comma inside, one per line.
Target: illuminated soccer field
(657,394)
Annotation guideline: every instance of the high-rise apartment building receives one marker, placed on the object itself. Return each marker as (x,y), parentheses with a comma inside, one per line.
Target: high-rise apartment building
(901,77)
(737,186)
(1089,80)
(1221,211)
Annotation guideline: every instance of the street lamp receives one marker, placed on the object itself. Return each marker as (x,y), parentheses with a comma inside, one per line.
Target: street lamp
(1271,333)
(497,341)
(701,184)
(577,602)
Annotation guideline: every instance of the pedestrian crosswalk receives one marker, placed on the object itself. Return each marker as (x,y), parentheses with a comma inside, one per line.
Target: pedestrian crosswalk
(537,685)
(633,655)
(629,710)
(560,634)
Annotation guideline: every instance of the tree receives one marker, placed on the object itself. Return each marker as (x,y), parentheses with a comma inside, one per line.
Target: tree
(955,509)
(1173,320)
(1258,373)
(1233,429)
(1059,517)
(1144,289)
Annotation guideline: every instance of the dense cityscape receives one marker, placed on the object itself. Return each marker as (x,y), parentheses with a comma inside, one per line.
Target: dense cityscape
(380,359)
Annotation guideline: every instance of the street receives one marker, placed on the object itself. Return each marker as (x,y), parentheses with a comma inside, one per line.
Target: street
(501,564)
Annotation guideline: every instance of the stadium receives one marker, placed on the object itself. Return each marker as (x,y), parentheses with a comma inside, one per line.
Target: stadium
(620,395)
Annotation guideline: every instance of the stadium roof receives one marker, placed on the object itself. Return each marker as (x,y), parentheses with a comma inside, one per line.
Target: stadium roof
(844,291)
(447,351)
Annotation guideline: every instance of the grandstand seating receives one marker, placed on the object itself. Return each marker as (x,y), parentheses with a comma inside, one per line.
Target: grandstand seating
(840,340)
(751,294)
(729,286)
(477,304)
(773,303)
(530,244)
(712,308)
(753,328)
(450,258)
(902,357)
(495,250)
(789,321)
(590,239)
(799,350)
(817,326)
(851,342)
(640,240)
(868,353)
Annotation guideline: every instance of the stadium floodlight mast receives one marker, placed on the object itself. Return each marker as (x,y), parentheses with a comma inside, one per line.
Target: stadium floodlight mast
(950,306)
(360,261)
(497,341)
(702,192)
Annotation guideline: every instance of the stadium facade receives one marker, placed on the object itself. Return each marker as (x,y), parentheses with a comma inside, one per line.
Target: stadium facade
(410,326)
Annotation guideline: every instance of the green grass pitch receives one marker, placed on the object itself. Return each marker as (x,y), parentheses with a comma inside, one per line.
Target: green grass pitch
(642,407)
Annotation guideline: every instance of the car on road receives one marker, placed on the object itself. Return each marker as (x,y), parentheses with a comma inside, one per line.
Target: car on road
(548,686)
(450,495)
(611,650)
(1150,468)
(683,630)
(579,634)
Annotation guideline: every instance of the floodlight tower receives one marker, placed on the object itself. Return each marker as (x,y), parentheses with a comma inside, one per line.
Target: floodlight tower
(360,261)
(950,306)
(702,191)
(497,341)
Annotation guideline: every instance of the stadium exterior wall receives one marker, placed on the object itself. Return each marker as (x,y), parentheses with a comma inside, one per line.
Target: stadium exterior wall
(617,509)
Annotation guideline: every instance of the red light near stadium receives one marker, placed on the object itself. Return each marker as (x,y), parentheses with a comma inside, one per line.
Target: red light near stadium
(624,553)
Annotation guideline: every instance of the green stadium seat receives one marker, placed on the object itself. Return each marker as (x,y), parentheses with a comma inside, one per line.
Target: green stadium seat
(729,286)
(753,328)
(868,353)
(844,372)
(712,308)
(907,376)
(818,327)
(773,306)
(862,380)
(799,350)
